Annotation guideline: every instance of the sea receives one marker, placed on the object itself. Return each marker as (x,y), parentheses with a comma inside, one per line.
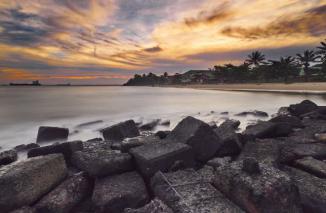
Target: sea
(87,109)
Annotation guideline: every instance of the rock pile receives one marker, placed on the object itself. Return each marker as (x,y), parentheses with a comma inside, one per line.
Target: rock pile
(274,166)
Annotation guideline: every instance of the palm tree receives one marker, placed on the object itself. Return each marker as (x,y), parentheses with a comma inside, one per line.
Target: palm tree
(285,64)
(255,58)
(322,51)
(305,59)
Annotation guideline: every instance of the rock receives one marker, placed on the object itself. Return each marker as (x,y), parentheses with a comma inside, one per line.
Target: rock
(154,157)
(294,121)
(304,107)
(251,166)
(129,143)
(224,113)
(207,173)
(162,134)
(115,193)
(165,123)
(283,111)
(155,206)
(267,129)
(256,113)
(187,191)
(94,140)
(150,125)
(101,162)
(67,195)
(31,146)
(230,140)
(230,124)
(199,135)
(265,151)
(320,137)
(216,162)
(7,157)
(20,147)
(311,165)
(291,153)
(47,133)
(312,190)
(269,191)
(97,144)
(25,209)
(89,123)
(212,124)
(120,131)
(66,149)
(22,183)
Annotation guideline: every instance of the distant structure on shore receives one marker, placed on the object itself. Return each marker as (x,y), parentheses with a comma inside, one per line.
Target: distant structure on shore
(34,83)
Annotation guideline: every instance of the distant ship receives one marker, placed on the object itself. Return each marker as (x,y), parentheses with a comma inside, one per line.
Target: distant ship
(34,83)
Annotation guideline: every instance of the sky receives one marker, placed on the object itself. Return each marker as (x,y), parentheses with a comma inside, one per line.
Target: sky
(108,41)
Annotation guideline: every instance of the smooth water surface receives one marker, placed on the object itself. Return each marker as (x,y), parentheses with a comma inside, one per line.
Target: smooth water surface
(24,109)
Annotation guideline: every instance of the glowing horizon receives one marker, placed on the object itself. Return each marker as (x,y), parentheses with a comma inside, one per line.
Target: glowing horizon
(108,41)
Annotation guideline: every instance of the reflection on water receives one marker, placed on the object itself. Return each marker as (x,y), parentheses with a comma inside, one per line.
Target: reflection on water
(23,109)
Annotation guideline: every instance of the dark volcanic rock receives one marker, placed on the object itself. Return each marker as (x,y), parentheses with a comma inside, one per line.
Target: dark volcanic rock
(312,190)
(251,166)
(230,124)
(199,135)
(186,191)
(97,144)
(153,157)
(165,123)
(66,149)
(256,113)
(129,143)
(102,162)
(216,162)
(293,152)
(265,151)
(7,157)
(120,131)
(304,107)
(67,195)
(23,183)
(162,134)
(269,191)
(115,193)
(311,165)
(25,209)
(150,125)
(294,121)
(47,133)
(155,206)
(267,129)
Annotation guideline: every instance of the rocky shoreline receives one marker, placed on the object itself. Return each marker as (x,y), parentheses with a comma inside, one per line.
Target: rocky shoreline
(272,166)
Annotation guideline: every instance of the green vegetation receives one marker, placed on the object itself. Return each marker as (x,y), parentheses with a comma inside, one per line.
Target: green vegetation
(307,66)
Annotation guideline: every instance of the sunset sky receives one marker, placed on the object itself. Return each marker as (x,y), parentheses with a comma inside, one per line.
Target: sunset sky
(108,41)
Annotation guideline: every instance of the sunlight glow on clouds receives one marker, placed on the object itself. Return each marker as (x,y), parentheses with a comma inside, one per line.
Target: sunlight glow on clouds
(110,40)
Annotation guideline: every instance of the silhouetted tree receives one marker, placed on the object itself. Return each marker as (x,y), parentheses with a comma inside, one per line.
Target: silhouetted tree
(285,66)
(256,58)
(305,59)
(322,51)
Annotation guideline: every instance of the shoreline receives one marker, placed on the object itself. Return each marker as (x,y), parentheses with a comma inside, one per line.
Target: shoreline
(317,88)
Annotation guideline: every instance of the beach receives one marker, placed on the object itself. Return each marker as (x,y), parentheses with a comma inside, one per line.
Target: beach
(308,87)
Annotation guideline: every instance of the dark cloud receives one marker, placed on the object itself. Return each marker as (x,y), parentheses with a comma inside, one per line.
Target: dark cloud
(218,14)
(153,49)
(312,22)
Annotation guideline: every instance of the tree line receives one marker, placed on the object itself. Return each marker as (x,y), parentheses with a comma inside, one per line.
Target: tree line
(309,65)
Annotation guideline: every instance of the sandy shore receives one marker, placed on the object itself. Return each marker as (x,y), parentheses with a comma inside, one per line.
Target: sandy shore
(310,87)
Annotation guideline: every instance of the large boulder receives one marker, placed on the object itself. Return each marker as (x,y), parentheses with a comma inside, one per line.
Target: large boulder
(155,206)
(199,135)
(265,151)
(312,166)
(25,209)
(257,187)
(293,152)
(129,143)
(23,183)
(66,149)
(102,162)
(47,133)
(186,191)
(120,131)
(161,156)
(312,190)
(115,193)
(7,157)
(294,121)
(267,129)
(304,107)
(67,195)
(24,147)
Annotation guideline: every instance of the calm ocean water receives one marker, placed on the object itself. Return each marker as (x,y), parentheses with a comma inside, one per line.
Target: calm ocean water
(24,109)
